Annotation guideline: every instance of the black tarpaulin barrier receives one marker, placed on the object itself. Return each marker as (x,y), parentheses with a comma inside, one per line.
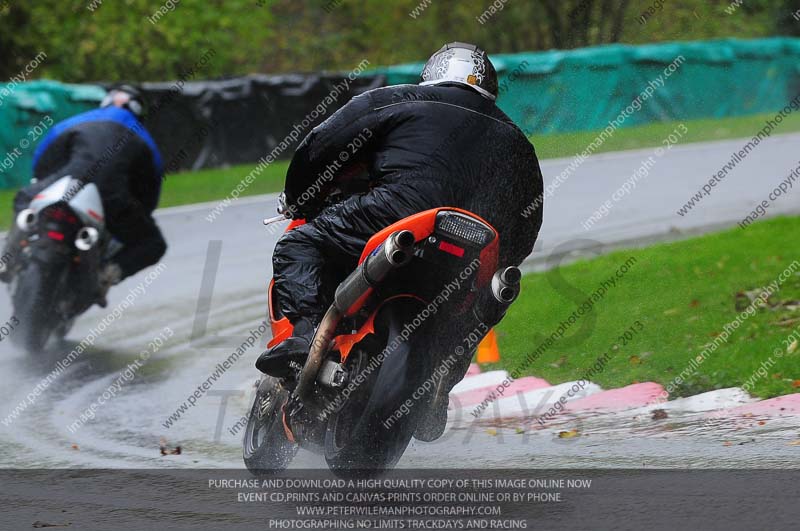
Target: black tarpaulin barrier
(208,124)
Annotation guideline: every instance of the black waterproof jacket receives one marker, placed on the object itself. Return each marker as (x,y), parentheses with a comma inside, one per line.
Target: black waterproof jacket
(429,146)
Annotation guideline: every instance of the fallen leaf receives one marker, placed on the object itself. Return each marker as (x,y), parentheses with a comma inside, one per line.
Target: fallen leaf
(761,422)
(75,447)
(796,384)
(635,360)
(568,434)
(795,443)
(520,431)
(727,443)
(492,432)
(659,414)
(741,301)
(162,446)
(694,304)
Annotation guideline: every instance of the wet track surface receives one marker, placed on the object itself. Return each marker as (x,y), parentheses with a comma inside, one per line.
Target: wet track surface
(127,429)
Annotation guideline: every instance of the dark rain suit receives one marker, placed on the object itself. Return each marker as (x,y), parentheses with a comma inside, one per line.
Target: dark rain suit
(423,147)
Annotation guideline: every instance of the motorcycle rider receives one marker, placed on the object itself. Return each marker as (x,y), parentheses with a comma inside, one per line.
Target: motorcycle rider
(443,142)
(109,147)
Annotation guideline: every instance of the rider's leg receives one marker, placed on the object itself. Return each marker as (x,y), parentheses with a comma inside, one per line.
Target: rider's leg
(485,314)
(335,239)
(142,245)
(304,262)
(298,264)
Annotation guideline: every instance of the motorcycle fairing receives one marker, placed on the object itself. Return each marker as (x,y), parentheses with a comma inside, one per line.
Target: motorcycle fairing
(83,198)
(422,225)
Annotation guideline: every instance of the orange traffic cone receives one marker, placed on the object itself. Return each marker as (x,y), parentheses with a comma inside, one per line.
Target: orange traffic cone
(487,349)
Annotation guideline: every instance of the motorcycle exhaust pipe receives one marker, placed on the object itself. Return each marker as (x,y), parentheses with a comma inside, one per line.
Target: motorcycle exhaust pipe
(395,252)
(26,220)
(87,238)
(504,290)
(505,285)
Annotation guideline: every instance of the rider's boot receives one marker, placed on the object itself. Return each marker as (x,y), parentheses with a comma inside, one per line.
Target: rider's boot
(431,426)
(109,275)
(278,360)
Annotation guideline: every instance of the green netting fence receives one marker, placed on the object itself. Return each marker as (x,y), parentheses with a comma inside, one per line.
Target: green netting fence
(26,109)
(584,89)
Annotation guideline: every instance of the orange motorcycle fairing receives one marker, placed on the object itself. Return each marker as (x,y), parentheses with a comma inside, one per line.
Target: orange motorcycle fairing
(421,224)
(344,343)
(281,328)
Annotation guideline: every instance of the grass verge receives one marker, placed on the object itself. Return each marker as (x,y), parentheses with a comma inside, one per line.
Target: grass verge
(651,135)
(216,184)
(684,293)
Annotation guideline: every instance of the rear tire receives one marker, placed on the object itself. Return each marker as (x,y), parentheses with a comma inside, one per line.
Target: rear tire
(266,448)
(35,296)
(357,440)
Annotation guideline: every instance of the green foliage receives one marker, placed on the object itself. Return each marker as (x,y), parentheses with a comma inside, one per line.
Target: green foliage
(97,40)
(118,41)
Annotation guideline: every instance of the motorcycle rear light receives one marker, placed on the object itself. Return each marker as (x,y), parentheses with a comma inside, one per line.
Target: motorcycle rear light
(53,235)
(455,250)
(61,214)
(464,228)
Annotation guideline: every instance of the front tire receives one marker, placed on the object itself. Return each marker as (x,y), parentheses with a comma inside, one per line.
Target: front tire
(266,448)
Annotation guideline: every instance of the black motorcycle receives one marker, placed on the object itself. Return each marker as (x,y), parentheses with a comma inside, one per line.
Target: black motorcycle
(59,242)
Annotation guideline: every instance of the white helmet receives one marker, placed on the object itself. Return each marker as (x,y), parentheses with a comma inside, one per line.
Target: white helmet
(463,64)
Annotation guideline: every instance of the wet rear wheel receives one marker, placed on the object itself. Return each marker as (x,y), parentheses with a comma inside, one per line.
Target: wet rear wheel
(34,297)
(371,432)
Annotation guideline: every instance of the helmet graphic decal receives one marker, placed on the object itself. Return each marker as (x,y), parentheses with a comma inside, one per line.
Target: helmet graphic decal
(440,66)
(479,67)
(464,64)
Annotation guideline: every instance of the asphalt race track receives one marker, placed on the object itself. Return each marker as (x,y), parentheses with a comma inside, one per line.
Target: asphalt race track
(210,296)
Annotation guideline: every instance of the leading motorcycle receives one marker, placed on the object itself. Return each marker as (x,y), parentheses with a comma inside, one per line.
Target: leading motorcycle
(60,241)
(382,347)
